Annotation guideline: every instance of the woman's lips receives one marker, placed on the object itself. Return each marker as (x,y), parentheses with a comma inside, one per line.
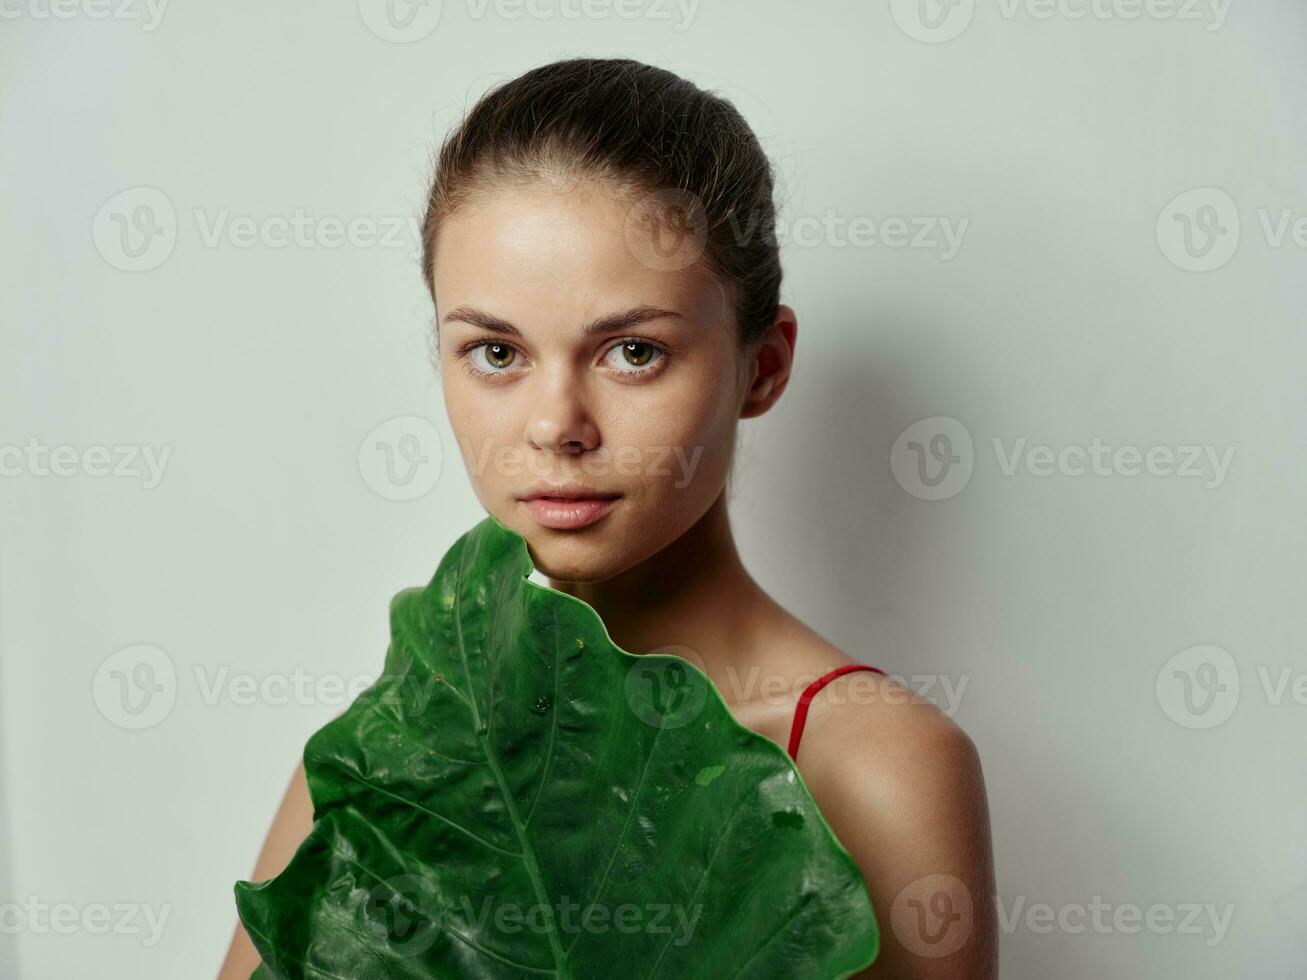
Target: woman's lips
(568,515)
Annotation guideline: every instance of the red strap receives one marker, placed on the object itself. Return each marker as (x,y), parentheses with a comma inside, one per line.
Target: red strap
(801,712)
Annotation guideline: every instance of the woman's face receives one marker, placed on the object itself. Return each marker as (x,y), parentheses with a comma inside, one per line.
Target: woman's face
(573,355)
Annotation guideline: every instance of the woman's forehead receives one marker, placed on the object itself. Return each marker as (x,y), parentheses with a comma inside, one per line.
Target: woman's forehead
(535,252)
(537,228)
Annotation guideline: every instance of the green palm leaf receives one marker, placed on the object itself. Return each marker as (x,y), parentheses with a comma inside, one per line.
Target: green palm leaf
(517,797)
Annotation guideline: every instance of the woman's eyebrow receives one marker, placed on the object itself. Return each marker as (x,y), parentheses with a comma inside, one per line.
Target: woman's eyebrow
(608,323)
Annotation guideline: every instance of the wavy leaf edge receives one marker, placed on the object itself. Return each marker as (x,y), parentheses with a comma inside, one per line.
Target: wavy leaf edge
(243,889)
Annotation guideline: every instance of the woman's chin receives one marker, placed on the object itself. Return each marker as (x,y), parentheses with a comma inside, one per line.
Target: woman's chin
(574,561)
(592,555)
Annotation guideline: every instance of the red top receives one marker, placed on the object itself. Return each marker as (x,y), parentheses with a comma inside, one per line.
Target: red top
(801,712)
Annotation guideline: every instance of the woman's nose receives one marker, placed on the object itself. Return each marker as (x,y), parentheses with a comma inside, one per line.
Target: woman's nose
(560,420)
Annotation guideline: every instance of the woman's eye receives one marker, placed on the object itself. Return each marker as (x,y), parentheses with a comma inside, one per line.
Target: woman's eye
(492,358)
(630,357)
(633,356)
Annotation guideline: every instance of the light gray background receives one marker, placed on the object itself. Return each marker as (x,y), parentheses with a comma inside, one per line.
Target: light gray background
(1066,315)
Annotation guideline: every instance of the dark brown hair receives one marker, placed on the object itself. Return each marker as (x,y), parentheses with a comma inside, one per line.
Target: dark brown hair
(643,130)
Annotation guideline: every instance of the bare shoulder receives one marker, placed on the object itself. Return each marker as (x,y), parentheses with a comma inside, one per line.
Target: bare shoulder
(877,718)
(872,740)
(871,745)
(902,787)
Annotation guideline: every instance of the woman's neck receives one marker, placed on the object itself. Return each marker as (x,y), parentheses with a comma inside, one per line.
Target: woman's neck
(694,593)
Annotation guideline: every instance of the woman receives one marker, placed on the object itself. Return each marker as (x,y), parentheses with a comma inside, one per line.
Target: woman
(599,242)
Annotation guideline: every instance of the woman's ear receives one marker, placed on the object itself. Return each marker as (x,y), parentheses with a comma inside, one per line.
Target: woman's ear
(770,361)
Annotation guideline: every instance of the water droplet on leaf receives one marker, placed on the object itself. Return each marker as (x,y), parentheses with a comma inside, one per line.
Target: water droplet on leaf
(787,818)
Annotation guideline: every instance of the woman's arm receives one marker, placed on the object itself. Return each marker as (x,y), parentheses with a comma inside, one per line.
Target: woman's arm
(902,788)
(291,825)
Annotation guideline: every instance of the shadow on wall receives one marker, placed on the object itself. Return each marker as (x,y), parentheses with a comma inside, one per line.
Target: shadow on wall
(878,530)
(862,530)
